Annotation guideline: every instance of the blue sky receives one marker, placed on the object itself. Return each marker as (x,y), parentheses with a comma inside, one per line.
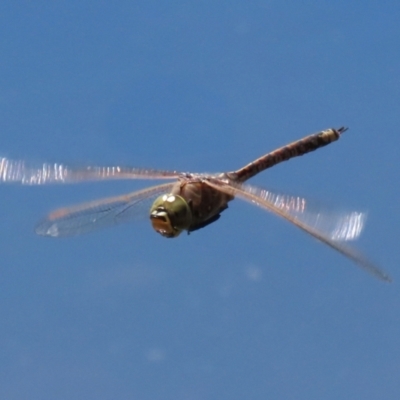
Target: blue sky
(249,307)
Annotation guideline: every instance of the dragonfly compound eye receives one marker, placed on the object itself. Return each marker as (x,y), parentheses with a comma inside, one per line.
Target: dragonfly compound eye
(170,215)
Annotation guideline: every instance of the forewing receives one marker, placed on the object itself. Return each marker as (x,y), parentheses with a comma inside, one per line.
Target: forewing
(30,174)
(331,228)
(100,214)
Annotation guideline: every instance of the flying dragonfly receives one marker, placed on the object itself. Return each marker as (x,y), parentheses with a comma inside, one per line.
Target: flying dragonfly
(193,200)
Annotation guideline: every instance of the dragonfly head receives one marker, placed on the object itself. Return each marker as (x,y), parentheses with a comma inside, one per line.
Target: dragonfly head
(170,215)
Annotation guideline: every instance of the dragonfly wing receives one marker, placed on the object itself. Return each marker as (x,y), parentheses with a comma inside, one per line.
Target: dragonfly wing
(40,174)
(333,229)
(337,225)
(95,215)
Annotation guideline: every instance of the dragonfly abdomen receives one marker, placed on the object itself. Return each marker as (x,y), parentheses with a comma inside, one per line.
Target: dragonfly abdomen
(295,149)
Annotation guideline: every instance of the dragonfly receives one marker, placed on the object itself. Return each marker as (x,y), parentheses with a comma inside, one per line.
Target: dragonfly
(191,201)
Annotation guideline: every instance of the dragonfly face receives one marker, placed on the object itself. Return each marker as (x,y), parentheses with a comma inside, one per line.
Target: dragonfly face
(170,214)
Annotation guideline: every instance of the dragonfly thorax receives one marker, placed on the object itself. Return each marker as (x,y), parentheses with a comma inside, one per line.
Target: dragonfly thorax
(170,214)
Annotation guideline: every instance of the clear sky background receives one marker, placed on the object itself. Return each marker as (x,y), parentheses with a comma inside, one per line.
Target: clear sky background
(249,308)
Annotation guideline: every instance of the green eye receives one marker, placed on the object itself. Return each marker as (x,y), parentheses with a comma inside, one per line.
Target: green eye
(170,215)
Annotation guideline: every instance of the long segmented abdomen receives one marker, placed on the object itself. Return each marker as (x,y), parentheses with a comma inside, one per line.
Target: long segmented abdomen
(297,148)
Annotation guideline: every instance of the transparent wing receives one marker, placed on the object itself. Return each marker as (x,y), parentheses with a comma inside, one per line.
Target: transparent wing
(31,174)
(99,214)
(333,229)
